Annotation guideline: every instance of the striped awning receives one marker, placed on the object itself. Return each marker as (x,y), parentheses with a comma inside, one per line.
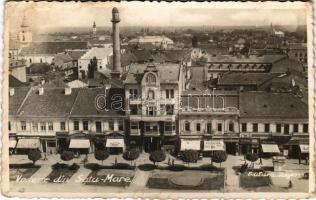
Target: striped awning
(28,143)
(79,144)
(270,148)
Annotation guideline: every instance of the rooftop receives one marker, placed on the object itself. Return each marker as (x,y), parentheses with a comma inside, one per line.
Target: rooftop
(237,78)
(43,48)
(17,99)
(277,105)
(169,73)
(52,103)
(99,53)
(244,59)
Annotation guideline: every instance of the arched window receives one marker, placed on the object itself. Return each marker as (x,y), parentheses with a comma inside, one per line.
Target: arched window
(151,95)
(151,79)
(231,126)
(187,126)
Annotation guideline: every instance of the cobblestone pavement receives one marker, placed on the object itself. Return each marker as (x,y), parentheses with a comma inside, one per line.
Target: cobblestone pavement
(292,168)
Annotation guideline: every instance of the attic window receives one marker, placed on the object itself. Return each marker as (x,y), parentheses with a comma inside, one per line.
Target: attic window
(292,106)
(265,106)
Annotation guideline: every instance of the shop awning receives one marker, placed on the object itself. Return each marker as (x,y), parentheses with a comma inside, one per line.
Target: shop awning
(12,143)
(214,145)
(110,142)
(270,148)
(190,144)
(30,143)
(79,144)
(304,148)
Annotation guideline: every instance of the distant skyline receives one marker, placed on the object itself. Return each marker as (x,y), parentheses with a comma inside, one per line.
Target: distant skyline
(42,16)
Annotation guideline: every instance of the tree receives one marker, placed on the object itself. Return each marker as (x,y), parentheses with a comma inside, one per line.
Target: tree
(157,156)
(34,155)
(252,157)
(219,157)
(67,156)
(195,41)
(101,155)
(189,156)
(131,155)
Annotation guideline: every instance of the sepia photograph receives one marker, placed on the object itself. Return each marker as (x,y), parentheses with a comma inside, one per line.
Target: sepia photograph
(158,100)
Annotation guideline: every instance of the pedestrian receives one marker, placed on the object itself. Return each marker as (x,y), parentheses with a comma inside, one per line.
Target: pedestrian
(168,160)
(290,184)
(260,161)
(115,161)
(172,162)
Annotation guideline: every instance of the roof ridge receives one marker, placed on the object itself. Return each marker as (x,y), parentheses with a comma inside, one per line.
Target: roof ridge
(24,100)
(73,105)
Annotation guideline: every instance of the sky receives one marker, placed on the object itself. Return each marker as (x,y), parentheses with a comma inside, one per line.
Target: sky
(42,15)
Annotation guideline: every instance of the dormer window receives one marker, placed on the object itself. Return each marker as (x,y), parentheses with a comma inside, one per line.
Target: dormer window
(151,79)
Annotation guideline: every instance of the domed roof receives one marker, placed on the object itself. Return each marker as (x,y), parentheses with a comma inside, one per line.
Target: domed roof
(115,10)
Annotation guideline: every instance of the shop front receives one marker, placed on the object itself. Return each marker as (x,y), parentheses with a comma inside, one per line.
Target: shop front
(49,145)
(269,150)
(79,146)
(304,153)
(152,143)
(209,146)
(62,141)
(248,145)
(24,145)
(115,143)
(170,143)
(190,144)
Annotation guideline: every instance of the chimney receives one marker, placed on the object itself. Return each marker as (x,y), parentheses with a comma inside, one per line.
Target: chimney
(11,92)
(67,91)
(41,91)
(116,44)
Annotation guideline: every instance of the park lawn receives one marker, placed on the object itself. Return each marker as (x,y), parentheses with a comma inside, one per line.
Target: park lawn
(62,174)
(186,180)
(110,177)
(22,171)
(253,179)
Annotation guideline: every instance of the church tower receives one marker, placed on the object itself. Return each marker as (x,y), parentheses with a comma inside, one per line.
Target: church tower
(94,30)
(25,34)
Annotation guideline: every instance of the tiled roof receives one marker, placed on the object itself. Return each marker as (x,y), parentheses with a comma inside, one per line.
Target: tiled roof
(51,48)
(86,104)
(53,103)
(76,54)
(169,73)
(287,64)
(236,78)
(62,58)
(14,82)
(278,105)
(17,99)
(202,101)
(39,68)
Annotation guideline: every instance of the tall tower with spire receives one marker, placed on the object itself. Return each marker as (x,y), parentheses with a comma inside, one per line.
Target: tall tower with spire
(116,44)
(25,34)
(94,29)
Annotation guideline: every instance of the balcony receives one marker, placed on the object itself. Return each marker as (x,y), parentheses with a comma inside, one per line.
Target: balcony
(170,133)
(153,118)
(135,100)
(134,132)
(209,110)
(151,133)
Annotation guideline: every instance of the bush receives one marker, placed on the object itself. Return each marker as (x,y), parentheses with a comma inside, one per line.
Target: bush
(252,157)
(131,154)
(67,155)
(189,156)
(101,155)
(74,167)
(219,157)
(57,166)
(157,156)
(34,155)
(92,166)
